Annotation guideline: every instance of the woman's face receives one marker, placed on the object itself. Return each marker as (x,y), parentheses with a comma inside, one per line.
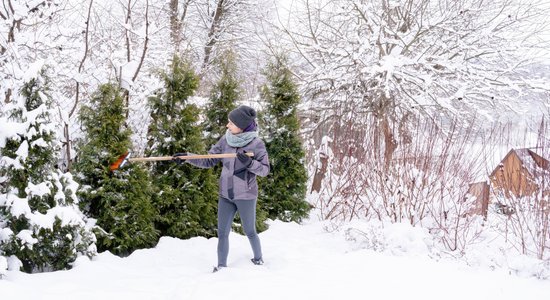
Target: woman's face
(233,128)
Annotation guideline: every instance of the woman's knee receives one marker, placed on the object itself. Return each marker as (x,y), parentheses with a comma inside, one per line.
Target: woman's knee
(250,232)
(224,234)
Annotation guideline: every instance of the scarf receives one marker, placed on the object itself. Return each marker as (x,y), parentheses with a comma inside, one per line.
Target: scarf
(240,140)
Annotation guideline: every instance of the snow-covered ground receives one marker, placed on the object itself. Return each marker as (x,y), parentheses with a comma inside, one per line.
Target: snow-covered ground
(302,262)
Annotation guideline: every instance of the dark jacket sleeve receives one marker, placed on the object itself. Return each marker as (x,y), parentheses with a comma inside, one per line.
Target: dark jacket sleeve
(206,163)
(260,163)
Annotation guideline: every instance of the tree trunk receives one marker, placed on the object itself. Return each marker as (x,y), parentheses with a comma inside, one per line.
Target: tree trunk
(214,28)
(67,147)
(389,142)
(320,174)
(175,24)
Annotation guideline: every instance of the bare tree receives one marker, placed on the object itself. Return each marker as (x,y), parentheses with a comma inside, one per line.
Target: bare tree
(215,29)
(426,184)
(13,15)
(227,25)
(130,36)
(67,143)
(391,59)
(178,20)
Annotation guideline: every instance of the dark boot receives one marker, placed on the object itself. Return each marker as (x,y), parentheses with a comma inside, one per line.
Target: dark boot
(216,269)
(258,261)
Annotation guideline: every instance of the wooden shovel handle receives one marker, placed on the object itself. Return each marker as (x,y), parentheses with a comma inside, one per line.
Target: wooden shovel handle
(197,156)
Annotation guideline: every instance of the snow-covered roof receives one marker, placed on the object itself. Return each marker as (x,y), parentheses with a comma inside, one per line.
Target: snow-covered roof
(527,157)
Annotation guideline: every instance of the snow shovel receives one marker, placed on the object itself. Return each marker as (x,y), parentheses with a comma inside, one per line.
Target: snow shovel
(123,159)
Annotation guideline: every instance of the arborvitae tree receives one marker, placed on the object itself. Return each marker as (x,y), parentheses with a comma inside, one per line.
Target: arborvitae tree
(41,224)
(120,200)
(186,197)
(222,100)
(283,191)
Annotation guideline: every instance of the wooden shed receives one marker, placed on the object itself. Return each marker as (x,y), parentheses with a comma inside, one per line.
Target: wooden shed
(481,191)
(516,174)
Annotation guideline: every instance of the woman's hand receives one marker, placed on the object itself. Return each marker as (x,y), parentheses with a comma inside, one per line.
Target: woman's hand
(176,159)
(245,159)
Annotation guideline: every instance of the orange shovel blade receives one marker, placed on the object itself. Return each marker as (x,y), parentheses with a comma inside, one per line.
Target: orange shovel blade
(118,162)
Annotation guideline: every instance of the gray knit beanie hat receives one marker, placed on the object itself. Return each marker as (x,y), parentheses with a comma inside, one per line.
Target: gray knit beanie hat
(242,116)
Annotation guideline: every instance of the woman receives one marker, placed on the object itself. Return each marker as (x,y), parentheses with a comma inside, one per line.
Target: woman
(238,186)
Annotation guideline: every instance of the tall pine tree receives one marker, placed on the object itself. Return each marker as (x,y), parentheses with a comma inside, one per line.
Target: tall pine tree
(186,197)
(283,191)
(41,224)
(222,100)
(120,200)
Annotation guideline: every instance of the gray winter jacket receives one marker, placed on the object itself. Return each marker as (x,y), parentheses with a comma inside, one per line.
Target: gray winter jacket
(242,185)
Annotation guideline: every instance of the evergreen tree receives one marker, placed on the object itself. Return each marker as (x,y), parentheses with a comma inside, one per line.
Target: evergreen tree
(40,221)
(222,100)
(186,198)
(120,200)
(283,191)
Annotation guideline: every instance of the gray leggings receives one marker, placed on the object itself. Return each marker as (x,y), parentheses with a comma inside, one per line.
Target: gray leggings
(226,212)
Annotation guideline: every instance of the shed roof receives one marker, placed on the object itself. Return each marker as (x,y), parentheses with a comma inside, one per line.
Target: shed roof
(528,157)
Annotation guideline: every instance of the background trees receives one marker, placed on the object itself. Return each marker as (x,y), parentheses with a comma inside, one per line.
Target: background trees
(400,60)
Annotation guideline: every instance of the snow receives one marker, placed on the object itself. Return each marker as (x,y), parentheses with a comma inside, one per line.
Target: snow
(7,161)
(302,262)
(18,206)
(33,70)
(23,150)
(4,235)
(41,189)
(39,143)
(69,215)
(10,129)
(3,266)
(26,237)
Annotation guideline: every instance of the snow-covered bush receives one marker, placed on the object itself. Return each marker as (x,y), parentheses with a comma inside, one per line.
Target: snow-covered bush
(395,238)
(426,184)
(41,224)
(490,251)
(427,187)
(526,227)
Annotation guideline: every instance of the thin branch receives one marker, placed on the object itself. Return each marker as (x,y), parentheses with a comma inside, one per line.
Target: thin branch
(128,20)
(146,41)
(81,66)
